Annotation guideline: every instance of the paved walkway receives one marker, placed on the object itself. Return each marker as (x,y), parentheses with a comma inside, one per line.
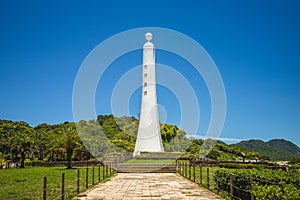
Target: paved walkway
(141,186)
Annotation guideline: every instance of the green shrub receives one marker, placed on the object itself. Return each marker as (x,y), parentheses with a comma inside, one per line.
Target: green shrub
(267,183)
(242,166)
(276,192)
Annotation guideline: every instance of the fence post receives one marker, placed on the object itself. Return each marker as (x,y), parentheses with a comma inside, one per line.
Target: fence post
(103,171)
(251,189)
(93,175)
(217,182)
(231,185)
(194,173)
(106,171)
(110,168)
(200,174)
(207,174)
(63,186)
(99,173)
(182,169)
(87,178)
(45,188)
(190,172)
(185,170)
(78,181)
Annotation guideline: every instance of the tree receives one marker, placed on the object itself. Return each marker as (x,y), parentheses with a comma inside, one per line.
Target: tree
(295,160)
(46,140)
(5,127)
(18,138)
(69,140)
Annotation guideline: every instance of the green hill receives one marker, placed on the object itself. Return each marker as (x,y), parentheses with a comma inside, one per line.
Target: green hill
(285,146)
(277,149)
(108,135)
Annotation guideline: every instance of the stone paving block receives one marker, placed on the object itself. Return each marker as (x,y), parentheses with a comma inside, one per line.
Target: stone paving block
(146,186)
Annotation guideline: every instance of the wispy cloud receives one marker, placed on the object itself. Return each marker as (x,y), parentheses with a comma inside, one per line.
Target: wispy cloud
(230,139)
(224,139)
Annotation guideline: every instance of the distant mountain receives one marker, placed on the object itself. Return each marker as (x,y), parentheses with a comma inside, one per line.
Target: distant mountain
(286,147)
(277,149)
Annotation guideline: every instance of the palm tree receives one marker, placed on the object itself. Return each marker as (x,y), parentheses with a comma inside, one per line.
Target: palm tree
(18,139)
(70,140)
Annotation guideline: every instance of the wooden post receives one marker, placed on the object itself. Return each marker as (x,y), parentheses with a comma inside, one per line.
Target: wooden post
(93,175)
(106,167)
(110,169)
(251,189)
(185,171)
(180,165)
(217,182)
(45,188)
(78,181)
(63,186)
(231,185)
(190,177)
(87,178)
(207,176)
(200,174)
(103,171)
(194,173)
(99,174)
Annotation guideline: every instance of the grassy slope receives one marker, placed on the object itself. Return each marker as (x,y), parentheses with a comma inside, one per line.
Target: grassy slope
(28,183)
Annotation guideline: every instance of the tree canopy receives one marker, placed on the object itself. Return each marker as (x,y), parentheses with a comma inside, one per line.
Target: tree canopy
(97,139)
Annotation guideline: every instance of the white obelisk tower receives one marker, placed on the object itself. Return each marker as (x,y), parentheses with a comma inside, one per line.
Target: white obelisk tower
(149,136)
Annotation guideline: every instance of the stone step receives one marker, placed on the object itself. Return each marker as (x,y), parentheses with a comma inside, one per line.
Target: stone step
(146,168)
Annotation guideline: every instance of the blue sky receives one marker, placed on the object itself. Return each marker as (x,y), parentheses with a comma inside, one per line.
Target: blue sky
(255,45)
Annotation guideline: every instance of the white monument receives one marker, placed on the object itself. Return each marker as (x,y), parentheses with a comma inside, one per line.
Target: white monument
(149,136)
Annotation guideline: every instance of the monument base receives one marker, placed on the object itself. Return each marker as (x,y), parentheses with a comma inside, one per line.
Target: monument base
(158,156)
(160,162)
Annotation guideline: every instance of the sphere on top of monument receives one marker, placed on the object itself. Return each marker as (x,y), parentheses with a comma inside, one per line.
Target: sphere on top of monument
(148,36)
(148,44)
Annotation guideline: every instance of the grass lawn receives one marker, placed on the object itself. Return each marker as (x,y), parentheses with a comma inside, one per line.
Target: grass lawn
(28,183)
